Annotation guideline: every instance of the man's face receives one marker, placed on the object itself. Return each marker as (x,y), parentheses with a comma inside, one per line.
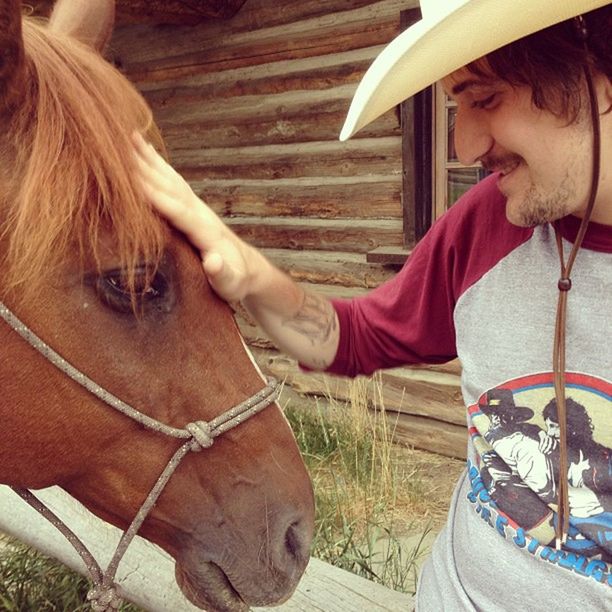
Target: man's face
(544,163)
(495,420)
(552,428)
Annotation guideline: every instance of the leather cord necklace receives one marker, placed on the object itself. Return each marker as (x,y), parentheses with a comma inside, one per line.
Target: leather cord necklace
(564,285)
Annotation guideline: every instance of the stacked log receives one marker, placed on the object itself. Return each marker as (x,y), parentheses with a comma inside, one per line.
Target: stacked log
(159,11)
(424,407)
(251,109)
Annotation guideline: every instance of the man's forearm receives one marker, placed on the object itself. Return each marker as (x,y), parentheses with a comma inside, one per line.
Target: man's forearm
(302,324)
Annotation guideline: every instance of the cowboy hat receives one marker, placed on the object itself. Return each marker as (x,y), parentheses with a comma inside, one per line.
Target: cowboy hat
(501,402)
(451,34)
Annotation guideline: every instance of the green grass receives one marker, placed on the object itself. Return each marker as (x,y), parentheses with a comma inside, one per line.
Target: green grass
(368,498)
(31,582)
(360,488)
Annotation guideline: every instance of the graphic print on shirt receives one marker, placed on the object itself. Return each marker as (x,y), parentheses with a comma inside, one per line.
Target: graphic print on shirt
(515,431)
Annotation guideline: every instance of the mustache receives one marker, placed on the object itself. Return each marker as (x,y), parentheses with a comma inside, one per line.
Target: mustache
(496,163)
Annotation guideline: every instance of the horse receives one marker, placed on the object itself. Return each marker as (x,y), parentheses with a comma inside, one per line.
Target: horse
(100,280)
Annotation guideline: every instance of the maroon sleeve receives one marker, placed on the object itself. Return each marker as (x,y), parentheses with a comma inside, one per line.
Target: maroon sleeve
(409,319)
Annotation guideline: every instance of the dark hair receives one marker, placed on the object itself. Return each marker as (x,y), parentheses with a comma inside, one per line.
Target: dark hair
(551,62)
(579,423)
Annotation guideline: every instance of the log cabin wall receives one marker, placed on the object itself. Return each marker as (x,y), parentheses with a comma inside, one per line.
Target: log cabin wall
(251,109)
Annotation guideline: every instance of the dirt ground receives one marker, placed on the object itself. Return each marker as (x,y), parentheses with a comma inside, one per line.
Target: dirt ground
(437,476)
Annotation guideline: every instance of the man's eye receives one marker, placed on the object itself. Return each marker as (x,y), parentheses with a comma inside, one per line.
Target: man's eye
(115,291)
(484,103)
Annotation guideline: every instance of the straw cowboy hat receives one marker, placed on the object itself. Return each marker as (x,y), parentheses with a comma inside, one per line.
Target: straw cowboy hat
(451,34)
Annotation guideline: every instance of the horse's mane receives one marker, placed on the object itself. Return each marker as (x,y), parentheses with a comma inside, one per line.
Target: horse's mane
(70,172)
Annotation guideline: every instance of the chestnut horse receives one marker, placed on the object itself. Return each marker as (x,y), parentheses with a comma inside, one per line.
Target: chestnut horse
(98,276)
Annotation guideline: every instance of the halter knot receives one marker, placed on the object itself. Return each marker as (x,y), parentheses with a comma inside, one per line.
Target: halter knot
(201,433)
(103,598)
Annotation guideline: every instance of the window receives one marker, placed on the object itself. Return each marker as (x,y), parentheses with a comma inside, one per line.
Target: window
(451,178)
(433,177)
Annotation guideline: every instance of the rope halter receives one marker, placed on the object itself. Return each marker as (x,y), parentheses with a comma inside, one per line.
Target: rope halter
(103,596)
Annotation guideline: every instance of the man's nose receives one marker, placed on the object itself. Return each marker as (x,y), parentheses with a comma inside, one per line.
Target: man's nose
(473,138)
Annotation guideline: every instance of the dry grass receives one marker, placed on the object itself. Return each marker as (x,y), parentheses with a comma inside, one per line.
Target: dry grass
(377,503)
(415,485)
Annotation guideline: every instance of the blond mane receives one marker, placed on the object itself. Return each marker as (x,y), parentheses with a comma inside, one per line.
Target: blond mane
(69,173)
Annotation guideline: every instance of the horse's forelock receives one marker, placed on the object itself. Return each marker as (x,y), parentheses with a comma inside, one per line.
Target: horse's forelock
(70,165)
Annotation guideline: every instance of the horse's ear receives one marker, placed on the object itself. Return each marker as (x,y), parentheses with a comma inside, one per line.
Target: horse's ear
(11,53)
(90,21)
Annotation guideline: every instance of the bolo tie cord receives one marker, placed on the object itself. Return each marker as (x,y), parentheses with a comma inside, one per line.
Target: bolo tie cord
(564,285)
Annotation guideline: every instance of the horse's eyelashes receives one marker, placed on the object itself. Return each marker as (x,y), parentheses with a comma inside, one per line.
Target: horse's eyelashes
(124,294)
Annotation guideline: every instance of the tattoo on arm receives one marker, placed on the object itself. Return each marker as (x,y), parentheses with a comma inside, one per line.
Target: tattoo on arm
(316,319)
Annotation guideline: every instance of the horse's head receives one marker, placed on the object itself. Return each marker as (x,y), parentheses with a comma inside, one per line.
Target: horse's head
(92,270)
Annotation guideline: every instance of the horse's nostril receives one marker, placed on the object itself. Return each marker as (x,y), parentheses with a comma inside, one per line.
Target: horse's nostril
(296,542)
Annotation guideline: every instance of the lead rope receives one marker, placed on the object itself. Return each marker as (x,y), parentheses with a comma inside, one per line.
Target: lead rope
(103,596)
(564,285)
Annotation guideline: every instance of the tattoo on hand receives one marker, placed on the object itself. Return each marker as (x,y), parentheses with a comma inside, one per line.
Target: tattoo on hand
(316,319)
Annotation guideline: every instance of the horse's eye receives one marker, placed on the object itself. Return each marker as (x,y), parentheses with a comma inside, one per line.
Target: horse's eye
(147,291)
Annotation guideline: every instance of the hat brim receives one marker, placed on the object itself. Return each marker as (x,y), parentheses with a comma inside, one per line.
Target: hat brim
(434,48)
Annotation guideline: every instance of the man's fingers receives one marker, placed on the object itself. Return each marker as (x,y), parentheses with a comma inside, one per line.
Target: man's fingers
(153,165)
(151,181)
(146,150)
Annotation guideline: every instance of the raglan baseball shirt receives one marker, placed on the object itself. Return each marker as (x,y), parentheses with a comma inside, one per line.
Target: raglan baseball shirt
(482,289)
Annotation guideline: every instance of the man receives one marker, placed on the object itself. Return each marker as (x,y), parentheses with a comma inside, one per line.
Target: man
(532,83)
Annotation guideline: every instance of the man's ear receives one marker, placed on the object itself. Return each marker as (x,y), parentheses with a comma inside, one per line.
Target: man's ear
(90,21)
(607,95)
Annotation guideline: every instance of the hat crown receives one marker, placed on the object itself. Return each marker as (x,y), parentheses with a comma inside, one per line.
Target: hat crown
(434,10)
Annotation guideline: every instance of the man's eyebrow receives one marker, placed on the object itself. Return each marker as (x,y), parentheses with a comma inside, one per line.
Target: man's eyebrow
(463,85)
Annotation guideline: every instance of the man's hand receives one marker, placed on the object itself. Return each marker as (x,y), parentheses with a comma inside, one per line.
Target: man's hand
(547,444)
(226,258)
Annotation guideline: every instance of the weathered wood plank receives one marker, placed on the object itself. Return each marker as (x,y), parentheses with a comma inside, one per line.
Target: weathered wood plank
(298,101)
(361,156)
(355,235)
(215,60)
(376,197)
(289,117)
(420,414)
(160,11)
(329,268)
(389,255)
(286,128)
(262,13)
(441,402)
(452,367)
(187,12)
(265,107)
(327,588)
(430,435)
(306,74)
(222,46)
